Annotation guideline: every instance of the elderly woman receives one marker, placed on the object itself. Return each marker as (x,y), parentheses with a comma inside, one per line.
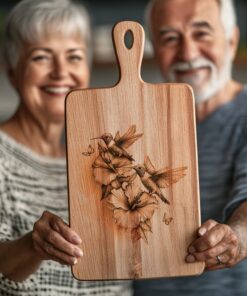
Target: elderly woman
(46,51)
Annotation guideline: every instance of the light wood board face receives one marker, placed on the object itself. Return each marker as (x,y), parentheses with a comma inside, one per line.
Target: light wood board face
(127,229)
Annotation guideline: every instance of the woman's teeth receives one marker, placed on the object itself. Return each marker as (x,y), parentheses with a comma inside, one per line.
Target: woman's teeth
(57,90)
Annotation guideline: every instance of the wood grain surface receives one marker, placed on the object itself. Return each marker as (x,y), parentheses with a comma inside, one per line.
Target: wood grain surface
(145,237)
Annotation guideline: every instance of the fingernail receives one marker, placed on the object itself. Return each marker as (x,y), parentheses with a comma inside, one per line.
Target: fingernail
(78,252)
(76,239)
(75,261)
(202,231)
(190,258)
(192,249)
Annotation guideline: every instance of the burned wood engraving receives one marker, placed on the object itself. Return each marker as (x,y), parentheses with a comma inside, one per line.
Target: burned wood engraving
(167,220)
(132,191)
(90,151)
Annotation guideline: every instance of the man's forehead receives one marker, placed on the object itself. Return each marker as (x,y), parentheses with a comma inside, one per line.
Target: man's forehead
(188,3)
(185,10)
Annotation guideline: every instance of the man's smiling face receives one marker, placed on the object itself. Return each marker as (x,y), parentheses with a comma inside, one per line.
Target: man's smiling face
(191,45)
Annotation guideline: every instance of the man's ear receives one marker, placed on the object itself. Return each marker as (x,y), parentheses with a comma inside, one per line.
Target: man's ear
(234,41)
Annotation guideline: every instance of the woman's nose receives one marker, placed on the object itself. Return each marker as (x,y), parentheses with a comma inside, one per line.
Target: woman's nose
(59,68)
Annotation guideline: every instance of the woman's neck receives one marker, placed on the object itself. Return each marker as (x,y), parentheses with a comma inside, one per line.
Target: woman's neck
(43,138)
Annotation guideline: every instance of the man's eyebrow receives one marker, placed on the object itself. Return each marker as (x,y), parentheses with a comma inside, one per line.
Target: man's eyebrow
(166,30)
(197,25)
(201,25)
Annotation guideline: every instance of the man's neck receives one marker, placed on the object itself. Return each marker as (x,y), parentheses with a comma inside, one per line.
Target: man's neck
(225,95)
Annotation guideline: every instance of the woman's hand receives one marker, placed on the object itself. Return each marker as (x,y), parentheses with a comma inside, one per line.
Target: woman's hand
(217,245)
(55,240)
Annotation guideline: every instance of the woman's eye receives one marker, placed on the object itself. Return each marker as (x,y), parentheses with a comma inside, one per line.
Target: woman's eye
(40,58)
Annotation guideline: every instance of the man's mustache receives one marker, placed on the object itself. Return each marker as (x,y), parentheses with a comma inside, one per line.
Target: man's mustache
(192,65)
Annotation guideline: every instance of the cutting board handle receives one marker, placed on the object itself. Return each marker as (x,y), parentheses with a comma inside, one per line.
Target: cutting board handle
(129,59)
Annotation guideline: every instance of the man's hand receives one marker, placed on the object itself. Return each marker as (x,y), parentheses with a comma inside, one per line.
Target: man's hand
(218,245)
(55,240)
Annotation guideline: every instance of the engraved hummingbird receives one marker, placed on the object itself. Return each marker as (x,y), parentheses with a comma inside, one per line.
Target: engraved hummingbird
(110,164)
(110,171)
(106,157)
(118,144)
(154,179)
(121,181)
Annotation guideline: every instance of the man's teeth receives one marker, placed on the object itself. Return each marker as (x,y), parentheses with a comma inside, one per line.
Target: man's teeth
(57,90)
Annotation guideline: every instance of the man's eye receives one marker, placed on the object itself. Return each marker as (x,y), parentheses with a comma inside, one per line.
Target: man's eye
(75,58)
(169,40)
(202,34)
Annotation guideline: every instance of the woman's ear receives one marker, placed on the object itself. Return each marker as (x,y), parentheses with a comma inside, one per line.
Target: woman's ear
(12,77)
(234,41)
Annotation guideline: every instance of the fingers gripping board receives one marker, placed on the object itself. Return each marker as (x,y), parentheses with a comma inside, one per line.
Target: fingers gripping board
(132,173)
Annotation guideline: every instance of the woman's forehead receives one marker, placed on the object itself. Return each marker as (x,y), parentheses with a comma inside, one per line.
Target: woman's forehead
(49,33)
(55,42)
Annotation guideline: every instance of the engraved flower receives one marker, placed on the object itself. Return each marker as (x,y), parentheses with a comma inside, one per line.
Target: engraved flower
(133,209)
(106,167)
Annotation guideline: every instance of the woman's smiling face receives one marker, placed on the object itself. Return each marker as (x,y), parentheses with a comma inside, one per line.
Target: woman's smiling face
(46,72)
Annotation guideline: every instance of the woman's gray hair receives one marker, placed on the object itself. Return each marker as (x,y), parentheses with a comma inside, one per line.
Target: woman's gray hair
(31,20)
(228,15)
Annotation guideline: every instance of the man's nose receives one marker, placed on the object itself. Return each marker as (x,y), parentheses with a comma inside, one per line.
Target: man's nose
(189,50)
(59,68)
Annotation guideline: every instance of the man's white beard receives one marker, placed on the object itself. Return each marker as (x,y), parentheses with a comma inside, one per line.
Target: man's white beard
(217,79)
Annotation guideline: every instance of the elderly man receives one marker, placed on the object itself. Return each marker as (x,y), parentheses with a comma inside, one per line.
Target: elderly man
(195,42)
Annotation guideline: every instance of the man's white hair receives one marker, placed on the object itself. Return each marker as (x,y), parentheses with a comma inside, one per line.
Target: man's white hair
(227,9)
(31,20)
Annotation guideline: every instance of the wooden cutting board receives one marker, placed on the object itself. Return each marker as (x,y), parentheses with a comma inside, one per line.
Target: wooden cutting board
(132,173)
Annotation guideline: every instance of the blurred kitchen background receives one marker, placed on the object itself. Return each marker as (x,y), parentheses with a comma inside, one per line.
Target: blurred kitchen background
(105,13)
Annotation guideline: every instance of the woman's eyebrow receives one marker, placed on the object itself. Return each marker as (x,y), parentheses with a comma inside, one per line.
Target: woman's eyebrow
(48,50)
(75,49)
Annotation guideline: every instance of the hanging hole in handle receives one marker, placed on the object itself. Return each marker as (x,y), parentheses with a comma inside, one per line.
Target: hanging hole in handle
(128,39)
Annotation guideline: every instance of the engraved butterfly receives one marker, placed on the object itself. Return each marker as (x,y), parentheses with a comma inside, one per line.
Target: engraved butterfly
(90,151)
